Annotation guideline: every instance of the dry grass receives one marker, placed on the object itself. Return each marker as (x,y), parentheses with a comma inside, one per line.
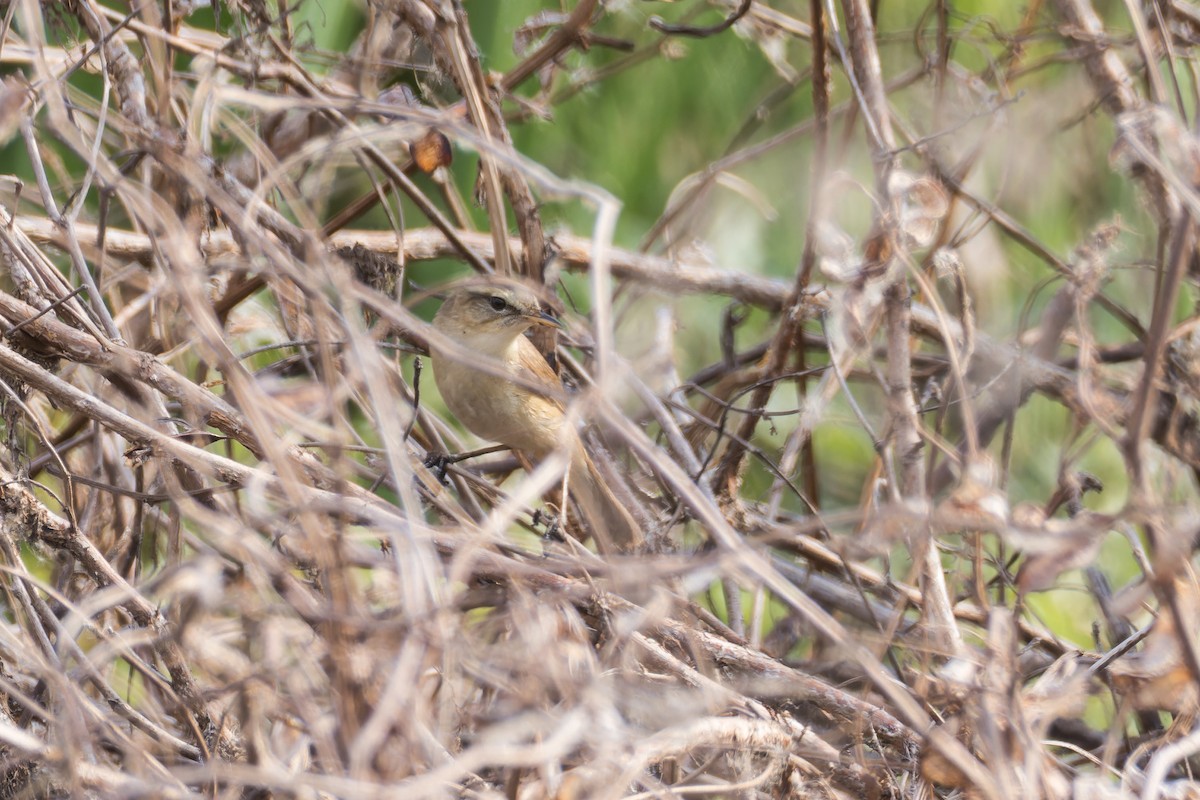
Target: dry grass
(236,561)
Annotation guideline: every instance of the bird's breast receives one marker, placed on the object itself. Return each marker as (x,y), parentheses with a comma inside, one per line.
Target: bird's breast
(495,407)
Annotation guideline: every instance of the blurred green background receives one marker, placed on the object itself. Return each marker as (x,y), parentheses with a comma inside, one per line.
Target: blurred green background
(1035,143)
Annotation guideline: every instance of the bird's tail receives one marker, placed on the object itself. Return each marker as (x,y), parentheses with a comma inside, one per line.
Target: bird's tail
(613,527)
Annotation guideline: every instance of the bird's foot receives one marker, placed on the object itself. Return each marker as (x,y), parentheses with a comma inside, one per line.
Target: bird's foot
(439,463)
(553,532)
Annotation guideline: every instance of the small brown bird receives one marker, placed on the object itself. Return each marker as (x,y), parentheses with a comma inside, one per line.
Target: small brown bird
(489,317)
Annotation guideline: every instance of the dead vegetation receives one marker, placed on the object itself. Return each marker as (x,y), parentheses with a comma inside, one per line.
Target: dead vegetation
(242,558)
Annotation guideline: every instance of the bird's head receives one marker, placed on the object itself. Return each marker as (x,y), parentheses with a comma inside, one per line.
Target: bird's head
(502,308)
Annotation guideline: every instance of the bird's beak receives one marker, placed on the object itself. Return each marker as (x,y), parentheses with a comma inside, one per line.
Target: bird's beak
(545,320)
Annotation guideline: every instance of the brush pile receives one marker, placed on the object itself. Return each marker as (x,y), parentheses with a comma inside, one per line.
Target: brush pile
(902,383)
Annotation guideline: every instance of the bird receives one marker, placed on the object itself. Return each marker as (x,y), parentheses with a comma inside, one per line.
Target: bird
(488,317)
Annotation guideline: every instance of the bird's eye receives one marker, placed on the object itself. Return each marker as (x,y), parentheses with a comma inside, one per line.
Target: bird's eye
(498,304)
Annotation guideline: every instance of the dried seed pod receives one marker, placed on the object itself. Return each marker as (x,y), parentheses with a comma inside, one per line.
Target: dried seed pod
(431,151)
